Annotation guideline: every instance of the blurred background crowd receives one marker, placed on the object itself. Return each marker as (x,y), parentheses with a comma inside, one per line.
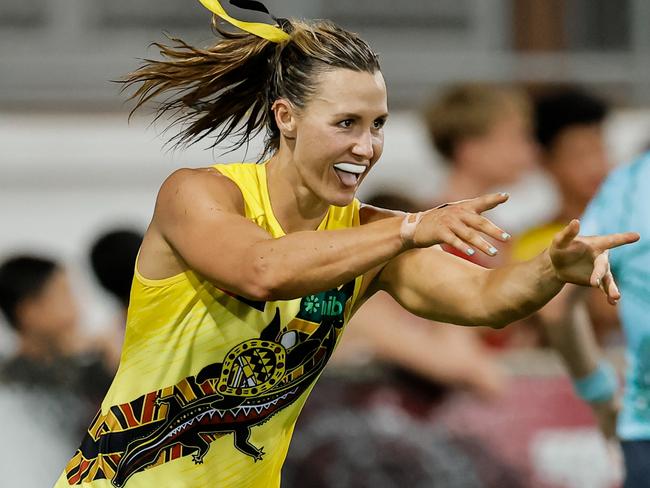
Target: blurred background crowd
(539,98)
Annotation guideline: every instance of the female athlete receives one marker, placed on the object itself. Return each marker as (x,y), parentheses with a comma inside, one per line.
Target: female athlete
(248,272)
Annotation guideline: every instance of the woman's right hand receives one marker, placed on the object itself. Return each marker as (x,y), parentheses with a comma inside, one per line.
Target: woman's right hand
(460,225)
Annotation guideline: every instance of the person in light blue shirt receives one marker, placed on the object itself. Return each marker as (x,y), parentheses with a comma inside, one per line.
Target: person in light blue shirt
(622,202)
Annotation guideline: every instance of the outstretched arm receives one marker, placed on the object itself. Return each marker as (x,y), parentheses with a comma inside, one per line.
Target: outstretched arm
(200,215)
(438,286)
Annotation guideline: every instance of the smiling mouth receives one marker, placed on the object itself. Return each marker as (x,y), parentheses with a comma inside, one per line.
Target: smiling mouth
(349,173)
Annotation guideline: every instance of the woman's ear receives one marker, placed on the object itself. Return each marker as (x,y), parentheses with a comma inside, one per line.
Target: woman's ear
(285,118)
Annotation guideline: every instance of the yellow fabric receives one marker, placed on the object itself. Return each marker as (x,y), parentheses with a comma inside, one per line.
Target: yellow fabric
(534,241)
(265,31)
(201,369)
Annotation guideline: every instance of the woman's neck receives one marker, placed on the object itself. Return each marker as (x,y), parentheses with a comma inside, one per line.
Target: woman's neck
(294,205)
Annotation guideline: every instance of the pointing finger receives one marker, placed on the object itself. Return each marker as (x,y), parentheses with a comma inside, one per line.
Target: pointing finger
(615,240)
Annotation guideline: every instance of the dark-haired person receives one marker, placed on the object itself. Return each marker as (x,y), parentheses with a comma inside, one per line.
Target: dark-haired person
(569,128)
(112,258)
(53,383)
(248,272)
(37,300)
(38,303)
(570,132)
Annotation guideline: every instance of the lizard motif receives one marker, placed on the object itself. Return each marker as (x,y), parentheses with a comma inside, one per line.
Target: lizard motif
(255,380)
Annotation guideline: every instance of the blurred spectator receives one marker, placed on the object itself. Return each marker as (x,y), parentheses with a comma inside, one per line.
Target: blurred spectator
(112,257)
(571,135)
(622,203)
(484,133)
(570,132)
(37,301)
(54,382)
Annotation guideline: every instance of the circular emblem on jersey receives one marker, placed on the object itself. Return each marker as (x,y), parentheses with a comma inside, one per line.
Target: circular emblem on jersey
(251,368)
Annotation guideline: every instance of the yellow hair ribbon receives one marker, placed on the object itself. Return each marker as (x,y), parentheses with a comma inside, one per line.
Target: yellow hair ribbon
(265,31)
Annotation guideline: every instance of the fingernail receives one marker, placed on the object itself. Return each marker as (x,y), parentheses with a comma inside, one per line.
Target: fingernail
(598,281)
(470,251)
(505,236)
(492,250)
(503,194)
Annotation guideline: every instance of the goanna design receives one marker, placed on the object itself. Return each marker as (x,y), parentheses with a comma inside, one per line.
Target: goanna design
(254,381)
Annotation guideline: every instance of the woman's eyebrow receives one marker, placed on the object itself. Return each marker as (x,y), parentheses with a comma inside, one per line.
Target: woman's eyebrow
(352,115)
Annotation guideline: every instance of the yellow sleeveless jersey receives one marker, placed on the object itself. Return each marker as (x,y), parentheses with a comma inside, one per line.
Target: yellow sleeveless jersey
(210,384)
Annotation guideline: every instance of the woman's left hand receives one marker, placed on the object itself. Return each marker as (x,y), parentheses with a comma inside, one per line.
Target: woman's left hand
(585,260)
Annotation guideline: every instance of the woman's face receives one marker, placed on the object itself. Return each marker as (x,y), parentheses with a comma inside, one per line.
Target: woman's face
(339,133)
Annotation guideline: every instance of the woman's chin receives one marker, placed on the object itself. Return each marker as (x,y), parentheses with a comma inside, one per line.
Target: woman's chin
(337,194)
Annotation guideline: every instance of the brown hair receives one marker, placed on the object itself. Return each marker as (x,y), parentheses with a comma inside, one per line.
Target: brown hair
(229,88)
(470,110)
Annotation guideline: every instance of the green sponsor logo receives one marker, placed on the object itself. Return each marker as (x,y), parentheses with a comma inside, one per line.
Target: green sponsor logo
(324,304)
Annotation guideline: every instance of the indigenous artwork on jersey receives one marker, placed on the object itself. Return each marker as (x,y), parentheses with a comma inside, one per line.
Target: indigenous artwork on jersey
(255,379)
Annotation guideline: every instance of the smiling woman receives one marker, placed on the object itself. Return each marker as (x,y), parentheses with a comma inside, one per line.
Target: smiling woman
(340,135)
(248,273)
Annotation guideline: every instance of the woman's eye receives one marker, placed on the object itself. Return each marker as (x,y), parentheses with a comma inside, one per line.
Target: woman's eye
(379,123)
(346,123)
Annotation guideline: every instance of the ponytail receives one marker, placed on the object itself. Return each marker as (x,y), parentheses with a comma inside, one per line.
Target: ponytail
(220,91)
(228,89)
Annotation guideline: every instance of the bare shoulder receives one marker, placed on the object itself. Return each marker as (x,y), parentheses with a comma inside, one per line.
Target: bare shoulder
(183,196)
(197,187)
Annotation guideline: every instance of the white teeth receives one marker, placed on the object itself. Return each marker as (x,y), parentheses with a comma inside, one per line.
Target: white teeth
(351,167)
